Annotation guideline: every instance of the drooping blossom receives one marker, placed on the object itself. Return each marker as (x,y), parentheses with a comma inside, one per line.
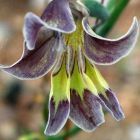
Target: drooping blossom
(62,41)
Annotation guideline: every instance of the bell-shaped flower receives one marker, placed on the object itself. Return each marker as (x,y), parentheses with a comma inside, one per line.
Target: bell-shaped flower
(62,41)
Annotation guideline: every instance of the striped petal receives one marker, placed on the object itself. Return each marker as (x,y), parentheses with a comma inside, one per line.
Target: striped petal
(104,51)
(107,97)
(85,108)
(57,116)
(38,62)
(58,16)
(112,104)
(35,30)
(86,112)
(59,106)
(32,26)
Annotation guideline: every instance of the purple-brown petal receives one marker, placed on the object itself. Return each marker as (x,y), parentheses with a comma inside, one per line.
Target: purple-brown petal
(38,62)
(104,51)
(112,104)
(87,112)
(57,116)
(32,26)
(58,16)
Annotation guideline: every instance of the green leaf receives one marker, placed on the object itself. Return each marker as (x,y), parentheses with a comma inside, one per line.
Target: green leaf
(96,9)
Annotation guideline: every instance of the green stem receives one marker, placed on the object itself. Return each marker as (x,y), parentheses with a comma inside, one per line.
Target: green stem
(111,5)
(116,12)
(45,109)
(55,138)
(67,134)
(71,132)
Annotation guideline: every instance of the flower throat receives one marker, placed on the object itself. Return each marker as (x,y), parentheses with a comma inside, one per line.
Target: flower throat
(75,39)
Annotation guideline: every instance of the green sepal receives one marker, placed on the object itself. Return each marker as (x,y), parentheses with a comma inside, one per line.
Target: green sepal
(96,9)
(60,85)
(80,81)
(100,84)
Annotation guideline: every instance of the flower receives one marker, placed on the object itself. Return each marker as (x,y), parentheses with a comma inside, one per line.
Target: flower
(62,40)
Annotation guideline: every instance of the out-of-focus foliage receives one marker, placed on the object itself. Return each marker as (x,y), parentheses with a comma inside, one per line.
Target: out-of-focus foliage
(25,116)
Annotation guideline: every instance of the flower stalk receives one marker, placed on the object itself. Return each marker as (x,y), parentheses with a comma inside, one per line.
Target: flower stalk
(62,41)
(67,134)
(115,12)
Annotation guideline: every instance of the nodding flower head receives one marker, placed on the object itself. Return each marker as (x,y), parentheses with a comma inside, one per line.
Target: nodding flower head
(62,41)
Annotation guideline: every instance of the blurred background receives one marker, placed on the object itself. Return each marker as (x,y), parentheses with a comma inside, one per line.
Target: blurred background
(22,102)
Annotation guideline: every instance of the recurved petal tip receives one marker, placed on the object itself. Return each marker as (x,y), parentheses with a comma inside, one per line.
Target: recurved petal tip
(31,28)
(57,16)
(104,51)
